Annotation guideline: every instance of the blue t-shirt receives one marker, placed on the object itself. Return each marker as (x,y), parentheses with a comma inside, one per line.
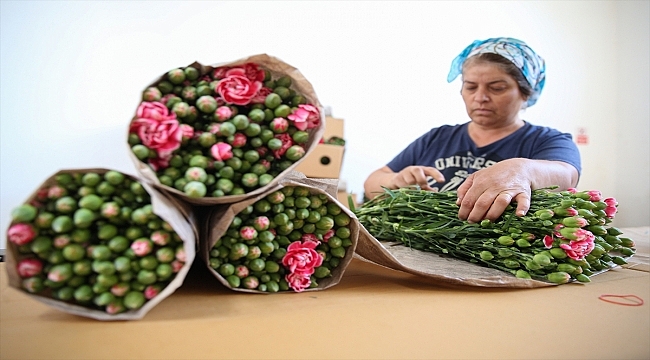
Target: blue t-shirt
(450,150)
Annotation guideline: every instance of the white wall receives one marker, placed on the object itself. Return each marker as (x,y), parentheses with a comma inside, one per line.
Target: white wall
(71,75)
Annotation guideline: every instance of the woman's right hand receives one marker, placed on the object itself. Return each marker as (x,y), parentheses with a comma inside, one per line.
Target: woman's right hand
(413,175)
(416,175)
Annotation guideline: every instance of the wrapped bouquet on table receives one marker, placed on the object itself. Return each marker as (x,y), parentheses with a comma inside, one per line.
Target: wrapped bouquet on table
(101,244)
(215,148)
(565,237)
(294,237)
(221,133)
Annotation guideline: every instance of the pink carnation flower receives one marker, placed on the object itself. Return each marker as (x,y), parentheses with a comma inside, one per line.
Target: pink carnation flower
(577,250)
(301,257)
(279,125)
(151,292)
(56,192)
(253,72)
(221,151)
(21,234)
(187,131)
(236,88)
(29,267)
(120,289)
(261,95)
(287,142)
(305,117)
(142,247)
(548,241)
(309,237)
(177,265)
(594,195)
(180,255)
(160,238)
(611,201)
(328,235)
(223,113)
(248,233)
(298,281)
(238,140)
(158,129)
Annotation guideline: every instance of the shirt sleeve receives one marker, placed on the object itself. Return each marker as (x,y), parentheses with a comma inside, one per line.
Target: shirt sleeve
(557,146)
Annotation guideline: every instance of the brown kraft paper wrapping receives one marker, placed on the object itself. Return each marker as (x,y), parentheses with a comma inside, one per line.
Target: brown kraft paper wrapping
(182,221)
(440,269)
(276,67)
(220,218)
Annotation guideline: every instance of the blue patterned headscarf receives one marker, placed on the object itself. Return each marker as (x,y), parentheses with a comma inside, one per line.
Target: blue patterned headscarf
(520,54)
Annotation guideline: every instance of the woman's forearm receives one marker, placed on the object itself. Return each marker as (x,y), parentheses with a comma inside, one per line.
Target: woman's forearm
(544,173)
(376,180)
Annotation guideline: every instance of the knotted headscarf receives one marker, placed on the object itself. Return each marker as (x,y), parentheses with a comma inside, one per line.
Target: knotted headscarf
(521,55)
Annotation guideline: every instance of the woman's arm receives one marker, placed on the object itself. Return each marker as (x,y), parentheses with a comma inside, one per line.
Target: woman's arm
(486,193)
(411,175)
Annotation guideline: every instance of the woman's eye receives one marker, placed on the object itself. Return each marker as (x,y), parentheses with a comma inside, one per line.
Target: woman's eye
(498,89)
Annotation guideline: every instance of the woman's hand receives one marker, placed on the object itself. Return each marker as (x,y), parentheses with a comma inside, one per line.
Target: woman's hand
(486,193)
(415,175)
(412,175)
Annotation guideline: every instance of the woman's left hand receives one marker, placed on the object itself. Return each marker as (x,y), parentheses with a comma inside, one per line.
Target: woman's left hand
(486,193)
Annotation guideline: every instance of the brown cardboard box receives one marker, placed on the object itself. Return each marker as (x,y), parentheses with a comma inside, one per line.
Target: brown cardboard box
(333,127)
(325,160)
(342,197)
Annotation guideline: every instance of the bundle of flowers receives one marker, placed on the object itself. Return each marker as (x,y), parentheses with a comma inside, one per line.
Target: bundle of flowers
(294,238)
(223,131)
(564,237)
(93,240)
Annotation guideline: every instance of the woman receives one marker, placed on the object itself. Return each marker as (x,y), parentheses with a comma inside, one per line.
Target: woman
(497,157)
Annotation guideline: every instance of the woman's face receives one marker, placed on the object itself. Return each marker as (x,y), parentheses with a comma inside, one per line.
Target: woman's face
(492,97)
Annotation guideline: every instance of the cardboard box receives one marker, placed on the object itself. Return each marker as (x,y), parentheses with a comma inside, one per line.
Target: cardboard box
(325,160)
(342,197)
(333,127)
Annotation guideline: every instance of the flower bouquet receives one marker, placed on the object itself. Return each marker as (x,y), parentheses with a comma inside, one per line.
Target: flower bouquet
(294,237)
(101,244)
(564,237)
(218,134)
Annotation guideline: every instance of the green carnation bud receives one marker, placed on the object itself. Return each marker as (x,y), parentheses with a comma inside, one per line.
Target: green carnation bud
(542,259)
(486,255)
(523,243)
(522,274)
(506,240)
(545,214)
(558,253)
(559,277)
(176,76)
(24,213)
(567,268)
(195,189)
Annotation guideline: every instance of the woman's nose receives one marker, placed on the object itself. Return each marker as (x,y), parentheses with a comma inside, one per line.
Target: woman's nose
(481,96)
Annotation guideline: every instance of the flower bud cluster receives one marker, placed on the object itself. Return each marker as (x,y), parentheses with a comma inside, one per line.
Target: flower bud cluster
(92,239)
(564,237)
(288,240)
(240,125)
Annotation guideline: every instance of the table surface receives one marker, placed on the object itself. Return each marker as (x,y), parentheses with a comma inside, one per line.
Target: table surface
(373,313)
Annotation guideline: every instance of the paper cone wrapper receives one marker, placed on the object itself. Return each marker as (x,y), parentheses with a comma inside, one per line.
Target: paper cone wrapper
(221,217)
(277,68)
(439,269)
(179,216)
